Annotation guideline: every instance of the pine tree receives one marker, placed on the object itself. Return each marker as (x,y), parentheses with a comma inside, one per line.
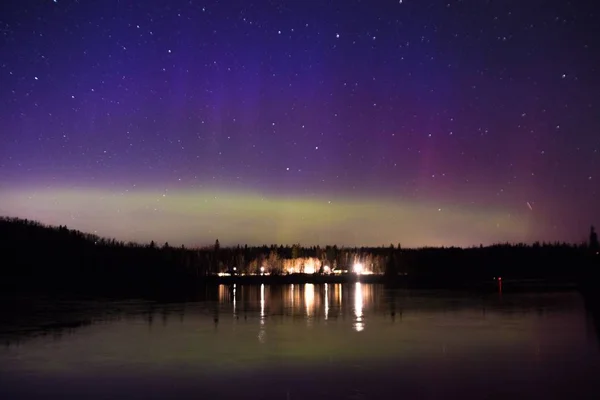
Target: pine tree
(593,239)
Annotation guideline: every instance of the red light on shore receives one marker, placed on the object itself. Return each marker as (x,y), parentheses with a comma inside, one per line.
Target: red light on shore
(499,278)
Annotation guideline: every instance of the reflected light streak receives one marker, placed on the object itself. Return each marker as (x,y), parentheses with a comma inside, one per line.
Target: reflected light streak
(326,301)
(224,296)
(234,304)
(309,297)
(358,307)
(261,332)
(262,303)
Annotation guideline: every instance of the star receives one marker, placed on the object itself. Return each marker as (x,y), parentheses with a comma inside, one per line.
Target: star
(213,97)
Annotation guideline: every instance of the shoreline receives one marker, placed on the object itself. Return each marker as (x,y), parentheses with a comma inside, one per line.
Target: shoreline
(398,282)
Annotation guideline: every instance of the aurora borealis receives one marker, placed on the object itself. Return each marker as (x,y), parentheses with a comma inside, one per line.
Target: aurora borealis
(419,122)
(243,217)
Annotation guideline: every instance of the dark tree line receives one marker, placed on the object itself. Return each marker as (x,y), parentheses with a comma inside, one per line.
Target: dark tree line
(33,255)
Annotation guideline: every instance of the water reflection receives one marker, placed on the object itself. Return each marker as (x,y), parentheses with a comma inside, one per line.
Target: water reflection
(592,308)
(309,298)
(357,302)
(358,307)
(234,300)
(523,343)
(262,303)
(262,334)
(311,301)
(326,301)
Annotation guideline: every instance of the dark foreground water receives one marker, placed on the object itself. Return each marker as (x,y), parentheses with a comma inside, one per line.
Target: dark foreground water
(355,341)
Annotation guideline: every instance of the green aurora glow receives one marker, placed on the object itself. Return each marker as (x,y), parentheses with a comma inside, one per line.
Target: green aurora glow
(198,217)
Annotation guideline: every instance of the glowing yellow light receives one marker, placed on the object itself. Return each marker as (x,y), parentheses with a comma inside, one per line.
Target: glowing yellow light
(312,265)
(358,268)
(326,269)
(309,267)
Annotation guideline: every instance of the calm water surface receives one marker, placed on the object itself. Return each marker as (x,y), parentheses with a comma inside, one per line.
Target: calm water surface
(355,341)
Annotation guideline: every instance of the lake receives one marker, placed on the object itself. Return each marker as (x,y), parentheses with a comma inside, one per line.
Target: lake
(307,341)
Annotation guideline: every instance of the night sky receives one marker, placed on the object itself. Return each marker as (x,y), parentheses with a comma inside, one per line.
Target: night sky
(418,122)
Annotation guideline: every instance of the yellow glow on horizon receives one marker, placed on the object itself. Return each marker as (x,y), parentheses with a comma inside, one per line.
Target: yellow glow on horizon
(198,217)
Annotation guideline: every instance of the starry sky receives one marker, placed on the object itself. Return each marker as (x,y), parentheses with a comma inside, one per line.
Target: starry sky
(419,122)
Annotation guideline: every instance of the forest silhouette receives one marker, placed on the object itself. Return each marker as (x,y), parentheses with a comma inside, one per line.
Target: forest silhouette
(40,257)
